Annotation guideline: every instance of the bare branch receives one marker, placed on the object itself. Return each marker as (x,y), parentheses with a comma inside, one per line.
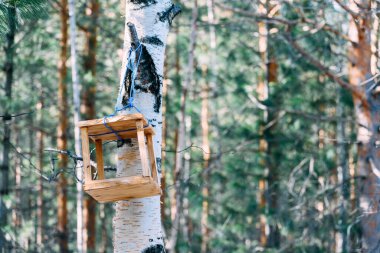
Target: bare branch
(328,28)
(38,171)
(254,15)
(347,9)
(316,63)
(8,117)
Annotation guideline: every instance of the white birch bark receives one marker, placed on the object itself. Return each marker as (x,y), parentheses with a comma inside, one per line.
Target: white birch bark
(137,223)
(76,100)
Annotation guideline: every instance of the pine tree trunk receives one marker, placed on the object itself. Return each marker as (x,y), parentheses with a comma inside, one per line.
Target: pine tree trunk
(185,223)
(104,240)
(174,191)
(137,223)
(89,98)
(62,131)
(175,196)
(341,238)
(262,92)
(274,237)
(9,70)
(40,189)
(375,36)
(164,141)
(17,207)
(206,163)
(368,118)
(181,141)
(205,231)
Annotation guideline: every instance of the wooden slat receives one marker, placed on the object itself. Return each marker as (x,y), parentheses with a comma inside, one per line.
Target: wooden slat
(121,125)
(107,136)
(124,125)
(112,120)
(99,158)
(86,154)
(152,157)
(122,188)
(116,182)
(142,148)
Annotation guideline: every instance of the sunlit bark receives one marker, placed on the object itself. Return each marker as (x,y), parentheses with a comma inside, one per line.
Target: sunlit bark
(62,131)
(137,223)
(367,117)
(88,110)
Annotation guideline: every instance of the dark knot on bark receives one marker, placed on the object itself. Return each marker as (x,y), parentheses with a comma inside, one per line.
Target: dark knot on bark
(169,14)
(134,37)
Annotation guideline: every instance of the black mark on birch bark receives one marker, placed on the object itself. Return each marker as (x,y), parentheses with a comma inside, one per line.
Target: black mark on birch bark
(169,14)
(153,40)
(158,248)
(147,80)
(143,3)
(158,162)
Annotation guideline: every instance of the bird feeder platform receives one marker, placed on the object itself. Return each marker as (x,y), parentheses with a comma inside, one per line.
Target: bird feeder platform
(121,188)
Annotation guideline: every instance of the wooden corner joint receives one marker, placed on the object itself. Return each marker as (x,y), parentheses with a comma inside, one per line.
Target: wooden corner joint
(139,125)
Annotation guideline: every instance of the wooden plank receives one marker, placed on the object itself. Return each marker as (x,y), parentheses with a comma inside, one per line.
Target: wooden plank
(142,148)
(86,154)
(114,119)
(99,158)
(115,182)
(122,188)
(152,157)
(117,126)
(107,135)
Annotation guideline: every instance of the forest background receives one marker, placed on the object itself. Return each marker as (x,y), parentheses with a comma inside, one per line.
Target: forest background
(281,125)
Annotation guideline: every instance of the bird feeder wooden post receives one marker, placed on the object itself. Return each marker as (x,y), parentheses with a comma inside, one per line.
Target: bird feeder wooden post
(121,188)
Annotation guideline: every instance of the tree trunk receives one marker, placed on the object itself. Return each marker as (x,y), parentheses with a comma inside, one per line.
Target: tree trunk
(174,191)
(368,118)
(164,141)
(137,222)
(175,196)
(62,132)
(341,239)
(8,69)
(262,92)
(76,102)
(185,219)
(181,141)
(104,240)
(40,189)
(89,98)
(205,173)
(205,231)
(375,37)
(16,212)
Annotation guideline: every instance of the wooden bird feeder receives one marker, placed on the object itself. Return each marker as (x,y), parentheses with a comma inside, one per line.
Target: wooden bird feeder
(121,188)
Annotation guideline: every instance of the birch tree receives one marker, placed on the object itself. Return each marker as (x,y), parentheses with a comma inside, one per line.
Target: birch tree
(137,223)
(76,100)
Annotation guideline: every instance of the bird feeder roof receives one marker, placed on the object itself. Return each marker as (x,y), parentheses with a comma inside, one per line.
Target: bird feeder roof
(124,125)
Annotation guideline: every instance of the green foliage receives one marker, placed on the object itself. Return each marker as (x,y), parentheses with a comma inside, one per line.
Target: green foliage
(25,10)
